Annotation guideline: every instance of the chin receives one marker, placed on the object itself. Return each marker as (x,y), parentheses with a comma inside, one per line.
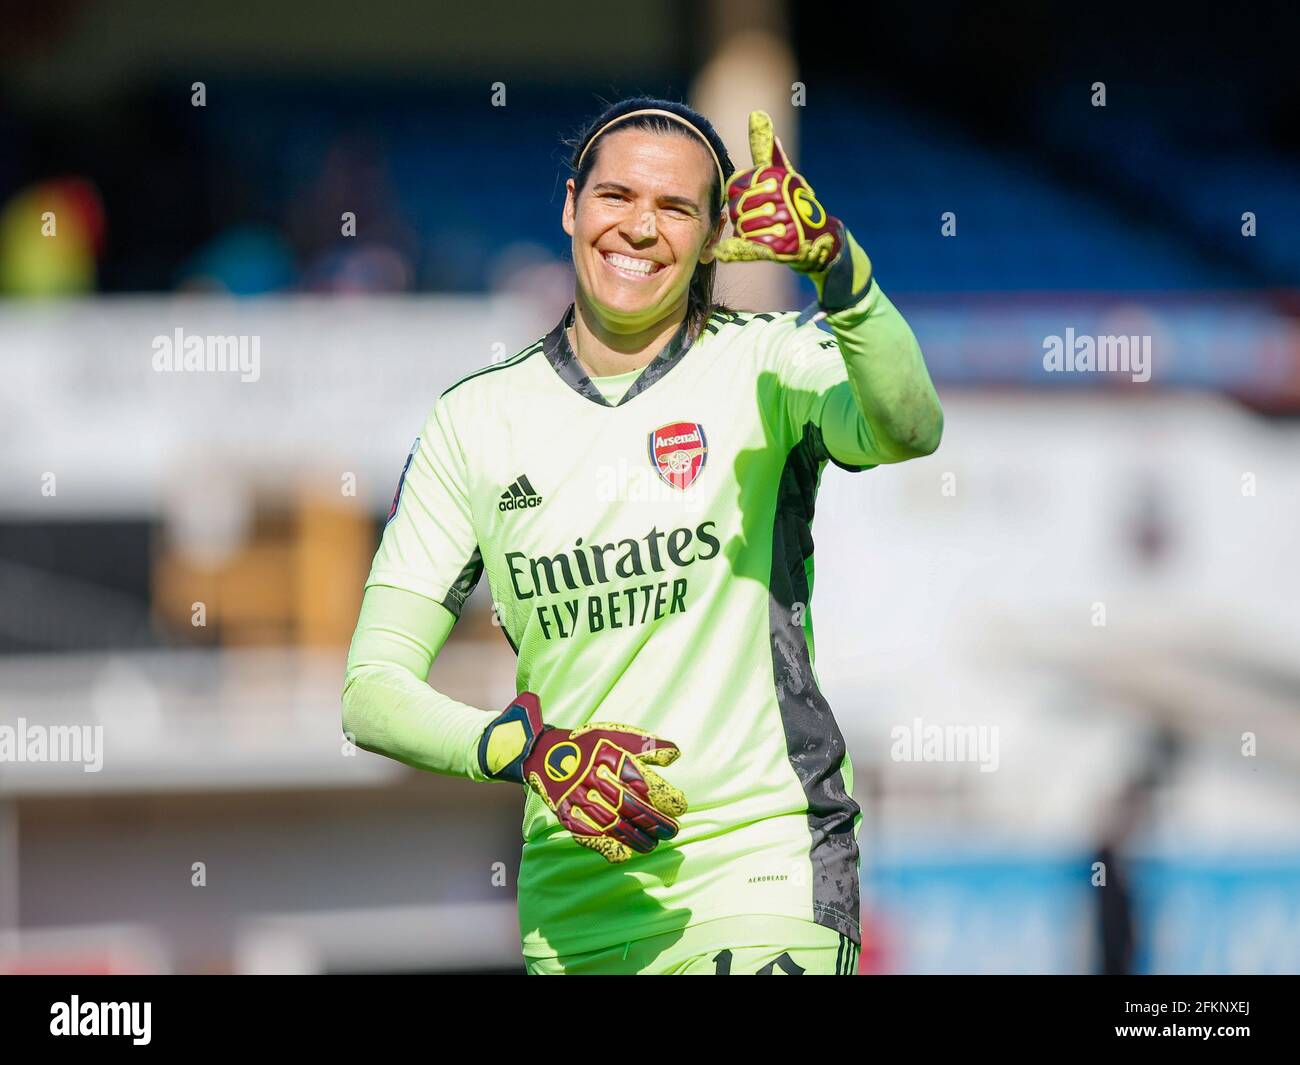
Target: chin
(626,305)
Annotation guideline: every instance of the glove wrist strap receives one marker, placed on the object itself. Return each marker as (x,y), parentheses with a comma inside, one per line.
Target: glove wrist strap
(510,738)
(847,280)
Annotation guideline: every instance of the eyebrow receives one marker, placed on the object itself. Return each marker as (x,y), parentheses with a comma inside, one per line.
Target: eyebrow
(676,201)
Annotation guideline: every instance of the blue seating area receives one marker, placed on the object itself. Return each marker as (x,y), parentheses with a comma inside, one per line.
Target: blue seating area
(465,179)
(1196,163)
(454,181)
(1020,225)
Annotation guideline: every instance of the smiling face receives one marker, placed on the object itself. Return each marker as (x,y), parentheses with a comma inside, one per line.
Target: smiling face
(640,225)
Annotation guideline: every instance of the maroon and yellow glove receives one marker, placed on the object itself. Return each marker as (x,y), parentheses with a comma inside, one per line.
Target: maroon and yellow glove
(777,218)
(594,778)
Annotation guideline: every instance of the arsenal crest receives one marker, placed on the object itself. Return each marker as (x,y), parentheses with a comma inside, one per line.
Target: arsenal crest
(678,452)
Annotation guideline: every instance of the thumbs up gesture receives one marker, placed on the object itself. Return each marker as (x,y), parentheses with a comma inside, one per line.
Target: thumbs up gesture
(777,218)
(774,212)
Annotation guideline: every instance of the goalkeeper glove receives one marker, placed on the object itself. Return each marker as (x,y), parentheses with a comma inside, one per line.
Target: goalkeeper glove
(777,218)
(594,778)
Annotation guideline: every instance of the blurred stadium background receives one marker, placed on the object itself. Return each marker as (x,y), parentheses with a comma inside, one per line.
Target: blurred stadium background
(1100,573)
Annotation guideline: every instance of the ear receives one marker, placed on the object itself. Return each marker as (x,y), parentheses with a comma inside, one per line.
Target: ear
(707,253)
(568,215)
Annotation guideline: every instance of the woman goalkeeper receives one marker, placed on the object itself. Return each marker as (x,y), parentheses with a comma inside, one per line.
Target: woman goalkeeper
(712,827)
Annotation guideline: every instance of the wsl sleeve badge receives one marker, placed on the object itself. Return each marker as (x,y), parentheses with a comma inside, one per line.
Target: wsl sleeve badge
(678,452)
(397,496)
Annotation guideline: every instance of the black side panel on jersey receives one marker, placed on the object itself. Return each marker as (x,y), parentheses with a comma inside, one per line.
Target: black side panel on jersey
(814,743)
(820,451)
(465,582)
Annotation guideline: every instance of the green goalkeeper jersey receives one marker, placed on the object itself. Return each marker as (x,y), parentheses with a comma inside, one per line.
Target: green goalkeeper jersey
(650,559)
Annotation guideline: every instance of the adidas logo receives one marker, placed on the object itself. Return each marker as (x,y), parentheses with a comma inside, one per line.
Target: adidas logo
(520,495)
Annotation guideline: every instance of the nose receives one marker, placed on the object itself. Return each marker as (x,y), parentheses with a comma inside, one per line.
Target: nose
(641,229)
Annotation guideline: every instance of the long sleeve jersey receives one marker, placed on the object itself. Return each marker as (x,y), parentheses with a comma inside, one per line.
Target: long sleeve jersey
(649,553)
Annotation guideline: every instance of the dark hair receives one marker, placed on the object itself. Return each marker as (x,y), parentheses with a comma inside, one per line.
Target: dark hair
(700,302)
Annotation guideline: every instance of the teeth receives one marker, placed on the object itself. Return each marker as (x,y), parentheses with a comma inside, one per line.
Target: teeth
(626,262)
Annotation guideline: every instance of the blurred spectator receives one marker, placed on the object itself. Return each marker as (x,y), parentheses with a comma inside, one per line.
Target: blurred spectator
(347,225)
(245,261)
(1115,928)
(366,268)
(50,236)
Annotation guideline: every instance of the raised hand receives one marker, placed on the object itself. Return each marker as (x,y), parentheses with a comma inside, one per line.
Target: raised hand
(774,211)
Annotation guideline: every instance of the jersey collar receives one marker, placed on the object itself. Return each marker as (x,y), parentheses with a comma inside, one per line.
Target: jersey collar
(560,355)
